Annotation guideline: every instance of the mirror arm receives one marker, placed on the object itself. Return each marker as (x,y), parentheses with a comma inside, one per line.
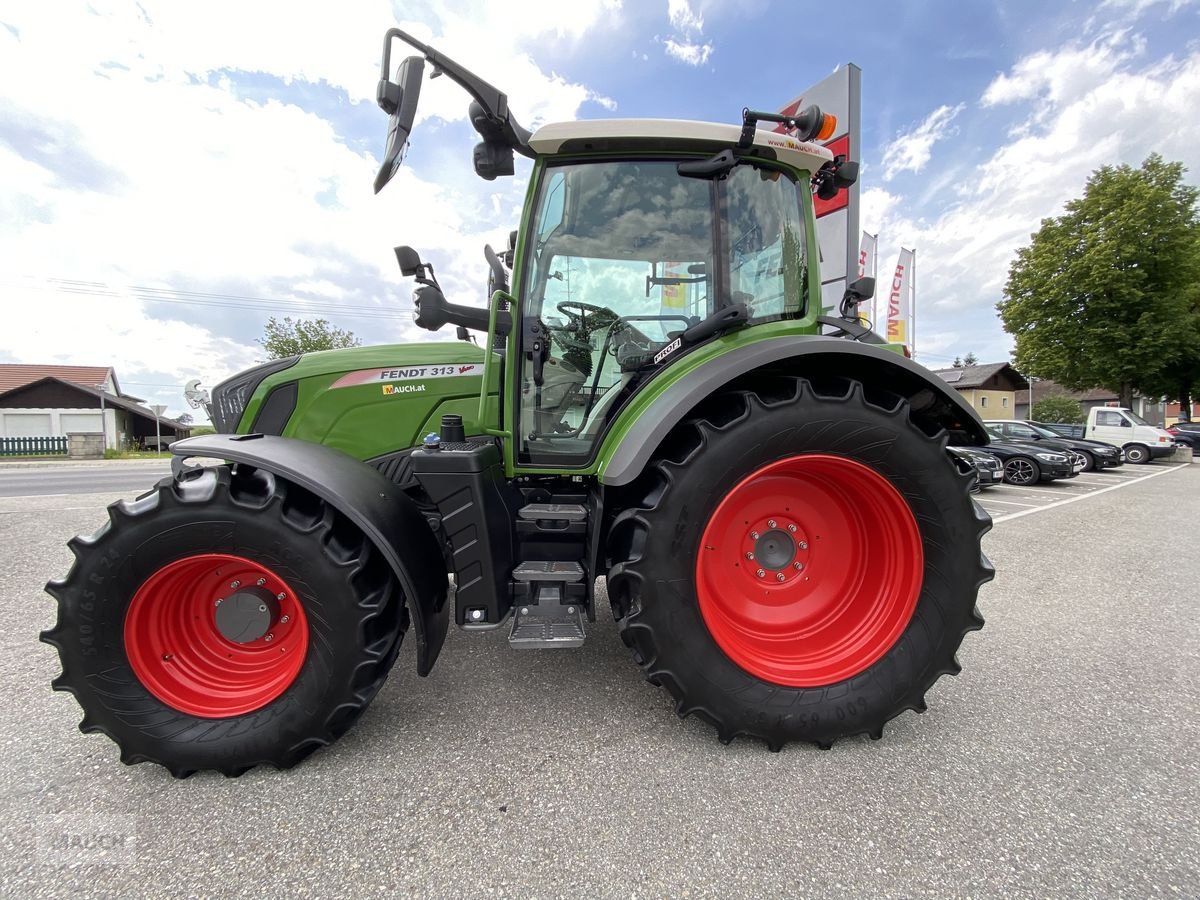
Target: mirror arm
(493,100)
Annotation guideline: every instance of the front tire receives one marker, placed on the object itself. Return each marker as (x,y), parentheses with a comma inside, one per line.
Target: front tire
(159,669)
(880,522)
(1089,461)
(1021,470)
(1137,454)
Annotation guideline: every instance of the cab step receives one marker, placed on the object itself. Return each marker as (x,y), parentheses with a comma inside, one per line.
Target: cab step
(548,617)
(547,626)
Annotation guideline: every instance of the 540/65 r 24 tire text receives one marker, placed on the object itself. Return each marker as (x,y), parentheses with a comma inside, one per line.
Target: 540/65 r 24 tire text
(798,562)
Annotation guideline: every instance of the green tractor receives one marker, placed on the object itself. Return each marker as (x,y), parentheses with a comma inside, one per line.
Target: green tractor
(656,398)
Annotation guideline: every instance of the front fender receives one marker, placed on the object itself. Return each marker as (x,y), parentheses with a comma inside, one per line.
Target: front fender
(377,506)
(641,427)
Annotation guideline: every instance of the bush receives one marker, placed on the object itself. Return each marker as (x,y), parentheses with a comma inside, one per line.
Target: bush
(1058,408)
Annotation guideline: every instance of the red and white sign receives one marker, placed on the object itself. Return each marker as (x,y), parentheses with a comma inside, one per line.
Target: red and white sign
(899,304)
(837,219)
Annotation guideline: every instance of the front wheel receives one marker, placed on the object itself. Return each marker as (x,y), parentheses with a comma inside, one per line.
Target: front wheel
(223,621)
(1089,461)
(1021,470)
(1137,454)
(798,565)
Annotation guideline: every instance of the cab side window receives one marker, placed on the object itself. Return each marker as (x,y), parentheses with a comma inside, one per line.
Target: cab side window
(1111,420)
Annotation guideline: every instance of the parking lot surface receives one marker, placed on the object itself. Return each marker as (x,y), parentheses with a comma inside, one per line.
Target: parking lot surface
(1064,761)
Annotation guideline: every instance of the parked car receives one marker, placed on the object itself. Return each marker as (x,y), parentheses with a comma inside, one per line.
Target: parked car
(1065,429)
(1122,427)
(1187,433)
(1028,463)
(1095,455)
(987,468)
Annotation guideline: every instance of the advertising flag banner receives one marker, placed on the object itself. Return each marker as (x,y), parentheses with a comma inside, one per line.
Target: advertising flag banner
(837,219)
(899,304)
(866,254)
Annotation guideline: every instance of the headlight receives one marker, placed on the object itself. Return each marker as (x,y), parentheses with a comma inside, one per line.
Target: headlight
(229,398)
(1051,457)
(1103,451)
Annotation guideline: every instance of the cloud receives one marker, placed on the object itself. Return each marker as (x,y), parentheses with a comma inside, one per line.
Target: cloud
(692,54)
(683,18)
(172,174)
(686,44)
(1113,111)
(910,152)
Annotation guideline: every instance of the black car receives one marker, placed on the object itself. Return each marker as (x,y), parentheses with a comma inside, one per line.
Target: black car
(1029,463)
(987,468)
(1186,433)
(1095,455)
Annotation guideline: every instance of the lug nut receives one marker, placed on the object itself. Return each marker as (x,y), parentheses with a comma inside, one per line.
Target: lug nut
(780,577)
(754,535)
(234,585)
(797,566)
(261,582)
(770,523)
(749,556)
(792,529)
(268,637)
(218,602)
(803,545)
(280,595)
(760,573)
(283,620)
(570,610)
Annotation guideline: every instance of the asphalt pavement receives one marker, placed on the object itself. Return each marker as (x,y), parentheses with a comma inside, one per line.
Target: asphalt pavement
(1063,762)
(117,477)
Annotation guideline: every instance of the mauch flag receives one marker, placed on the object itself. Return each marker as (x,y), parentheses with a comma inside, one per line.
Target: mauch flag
(866,254)
(899,306)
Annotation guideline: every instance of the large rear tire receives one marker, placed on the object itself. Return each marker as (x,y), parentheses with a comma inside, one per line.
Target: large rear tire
(798,564)
(312,622)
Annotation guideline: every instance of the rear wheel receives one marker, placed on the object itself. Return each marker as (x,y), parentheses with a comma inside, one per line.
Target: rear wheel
(798,565)
(223,621)
(1137,454)
(1021,470)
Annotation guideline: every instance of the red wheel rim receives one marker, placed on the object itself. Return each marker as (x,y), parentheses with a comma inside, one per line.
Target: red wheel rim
(180,655)
(841,567)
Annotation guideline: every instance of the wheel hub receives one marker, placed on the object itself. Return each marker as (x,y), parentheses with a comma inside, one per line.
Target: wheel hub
(247,615)
(809,570)
(215,635)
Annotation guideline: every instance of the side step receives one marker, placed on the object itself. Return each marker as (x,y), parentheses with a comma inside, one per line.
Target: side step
(548,623)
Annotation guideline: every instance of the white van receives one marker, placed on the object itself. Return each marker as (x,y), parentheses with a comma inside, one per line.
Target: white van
(1123,427)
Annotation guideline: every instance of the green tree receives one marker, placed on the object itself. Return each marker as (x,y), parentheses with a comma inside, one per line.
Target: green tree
(288,338)
(1105,295)
(970,360)
(1058,408)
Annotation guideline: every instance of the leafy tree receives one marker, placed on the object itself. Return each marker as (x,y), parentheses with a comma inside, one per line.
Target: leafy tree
(1058,408)
(1106,295)
(288,338)
(184,419)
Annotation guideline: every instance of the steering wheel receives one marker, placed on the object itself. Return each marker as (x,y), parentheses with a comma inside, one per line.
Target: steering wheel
(602,316)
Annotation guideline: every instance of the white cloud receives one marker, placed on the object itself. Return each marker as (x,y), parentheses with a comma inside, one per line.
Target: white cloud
(684,18)
(129,157)
(910,152)
(1065,74)
(686,44)
(967,236)
(685,52)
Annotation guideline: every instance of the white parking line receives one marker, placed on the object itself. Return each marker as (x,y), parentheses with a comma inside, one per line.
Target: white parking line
(984,500)
(1077,497)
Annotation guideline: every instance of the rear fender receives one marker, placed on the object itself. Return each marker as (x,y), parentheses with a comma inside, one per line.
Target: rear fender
(933,402)
(377,506)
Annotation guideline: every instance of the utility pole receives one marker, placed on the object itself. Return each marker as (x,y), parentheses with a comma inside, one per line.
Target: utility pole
(103,424)
(158,410)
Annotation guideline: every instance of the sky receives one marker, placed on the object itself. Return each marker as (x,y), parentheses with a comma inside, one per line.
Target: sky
(172,174)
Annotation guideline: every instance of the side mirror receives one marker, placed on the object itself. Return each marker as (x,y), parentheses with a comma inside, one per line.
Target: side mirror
(399,100)
(409,260)
(498,278)
(863,288)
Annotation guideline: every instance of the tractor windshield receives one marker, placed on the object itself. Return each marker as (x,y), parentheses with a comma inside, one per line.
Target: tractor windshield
(623,257)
